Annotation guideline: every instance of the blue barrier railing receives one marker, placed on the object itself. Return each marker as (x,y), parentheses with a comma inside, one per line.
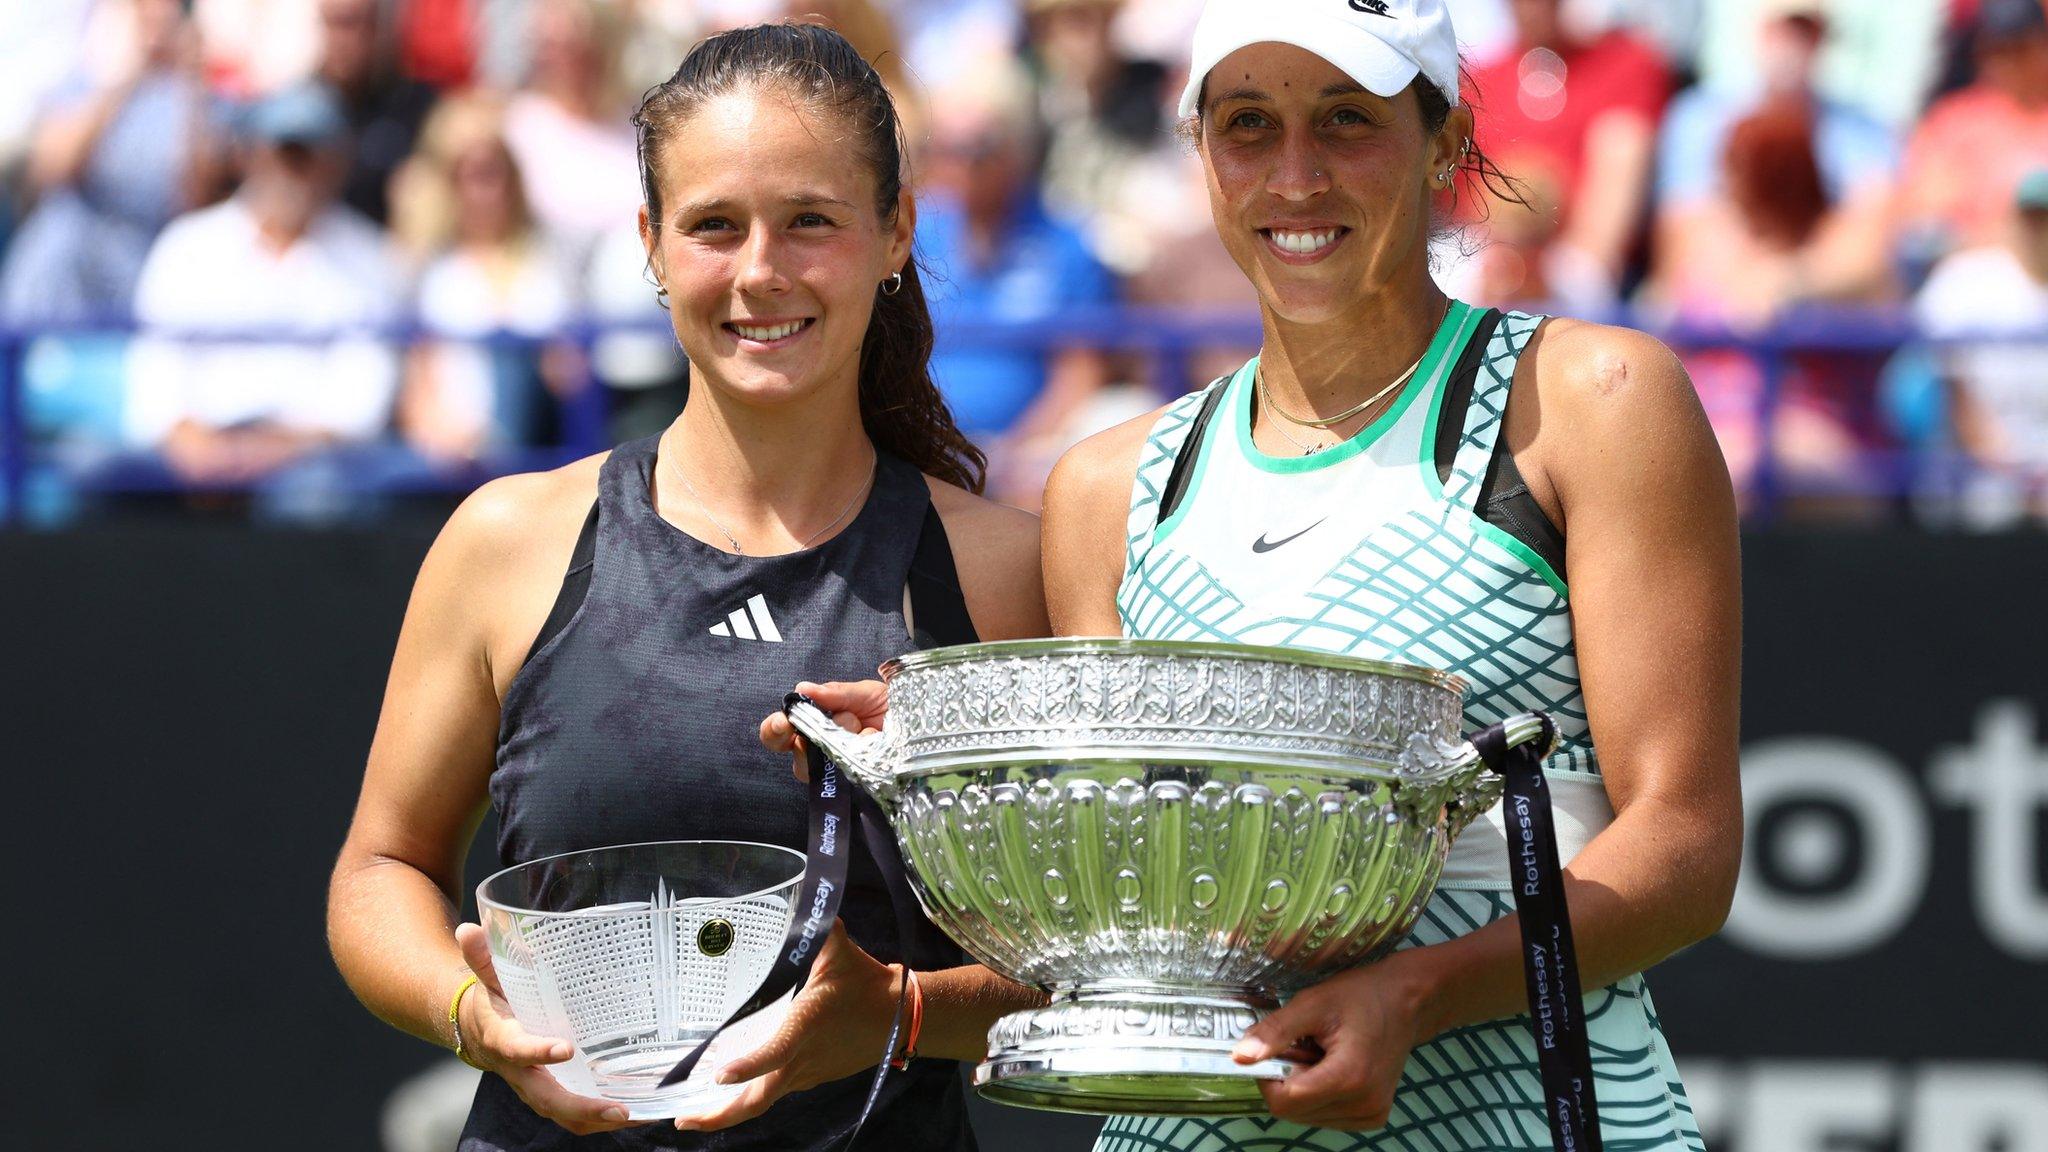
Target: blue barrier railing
(1166,341)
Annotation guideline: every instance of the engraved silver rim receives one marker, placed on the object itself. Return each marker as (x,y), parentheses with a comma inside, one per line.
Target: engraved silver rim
(1087,645)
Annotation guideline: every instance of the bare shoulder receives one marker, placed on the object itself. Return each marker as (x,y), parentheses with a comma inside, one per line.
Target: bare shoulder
(1599,370)
(1104,462)
(500,559)
(1087,505)
(995,552)
(979,520)
(1620,421)
(515,517)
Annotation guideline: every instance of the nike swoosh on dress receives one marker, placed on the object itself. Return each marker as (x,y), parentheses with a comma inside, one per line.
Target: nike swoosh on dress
(1263,545)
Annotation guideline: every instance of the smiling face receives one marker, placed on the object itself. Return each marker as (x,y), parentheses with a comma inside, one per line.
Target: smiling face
(771,245)
(1320,189)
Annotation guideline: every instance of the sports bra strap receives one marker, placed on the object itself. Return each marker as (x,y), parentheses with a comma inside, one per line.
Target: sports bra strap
(938,608)
(575,585)
(1184,462)
(1485,413)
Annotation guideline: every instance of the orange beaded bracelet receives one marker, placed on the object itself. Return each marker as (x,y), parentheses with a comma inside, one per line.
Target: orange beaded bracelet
(916,993)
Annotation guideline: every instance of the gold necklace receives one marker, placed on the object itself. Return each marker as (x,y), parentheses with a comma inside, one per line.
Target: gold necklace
(1266,398)
(676,470)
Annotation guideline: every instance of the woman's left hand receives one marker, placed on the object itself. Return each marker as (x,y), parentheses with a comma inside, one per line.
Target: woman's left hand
(836,1027)
(1365,1022)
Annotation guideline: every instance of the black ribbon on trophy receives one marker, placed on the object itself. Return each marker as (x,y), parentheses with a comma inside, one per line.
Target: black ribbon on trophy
(1550,965)
(834,809)
(827,846)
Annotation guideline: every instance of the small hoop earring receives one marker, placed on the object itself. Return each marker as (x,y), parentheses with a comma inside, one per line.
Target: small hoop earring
(893,284)
(661,297)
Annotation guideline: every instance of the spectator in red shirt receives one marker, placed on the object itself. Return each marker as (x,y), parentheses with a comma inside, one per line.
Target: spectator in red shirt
(1769,243)
(1576,119)
(1966,159)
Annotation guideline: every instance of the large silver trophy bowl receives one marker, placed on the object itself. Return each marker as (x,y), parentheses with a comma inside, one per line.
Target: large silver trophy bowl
(1168,837)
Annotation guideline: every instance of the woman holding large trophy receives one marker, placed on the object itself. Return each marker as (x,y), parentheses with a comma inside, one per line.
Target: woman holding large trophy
(1396,476)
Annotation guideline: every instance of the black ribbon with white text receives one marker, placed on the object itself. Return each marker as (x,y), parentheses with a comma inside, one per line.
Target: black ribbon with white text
(1549,963)
(836,807)
(827,846)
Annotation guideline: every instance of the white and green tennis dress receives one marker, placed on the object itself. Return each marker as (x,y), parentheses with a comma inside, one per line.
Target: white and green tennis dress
(1371,548)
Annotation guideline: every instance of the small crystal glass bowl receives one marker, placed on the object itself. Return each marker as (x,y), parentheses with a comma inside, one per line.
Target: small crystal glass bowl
(636,953)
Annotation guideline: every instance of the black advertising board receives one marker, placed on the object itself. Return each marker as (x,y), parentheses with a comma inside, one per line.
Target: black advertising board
(187,708)
(1882,982)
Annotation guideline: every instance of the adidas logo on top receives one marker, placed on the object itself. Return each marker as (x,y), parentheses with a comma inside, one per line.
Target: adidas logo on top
(749,622)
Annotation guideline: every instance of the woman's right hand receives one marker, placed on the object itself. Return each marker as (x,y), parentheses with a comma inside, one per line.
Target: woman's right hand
(494,1039)
(859,706)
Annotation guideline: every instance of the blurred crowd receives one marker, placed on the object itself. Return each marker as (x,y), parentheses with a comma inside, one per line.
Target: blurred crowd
(408,227)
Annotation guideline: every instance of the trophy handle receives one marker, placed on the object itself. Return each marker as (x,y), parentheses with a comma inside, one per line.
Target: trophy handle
(861,756)
(1473,787)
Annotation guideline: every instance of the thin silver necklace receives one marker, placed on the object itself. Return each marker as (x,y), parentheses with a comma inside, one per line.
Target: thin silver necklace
(1306,449)
(676,470)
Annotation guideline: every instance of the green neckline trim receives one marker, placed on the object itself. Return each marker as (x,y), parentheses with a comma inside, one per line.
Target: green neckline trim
(1526,555)
(1203,451)
(1428,376)
(1434,486)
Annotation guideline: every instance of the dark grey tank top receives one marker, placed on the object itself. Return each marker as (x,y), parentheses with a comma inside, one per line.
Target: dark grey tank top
(636,718)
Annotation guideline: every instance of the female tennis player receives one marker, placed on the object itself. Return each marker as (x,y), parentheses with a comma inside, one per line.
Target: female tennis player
(799,518)
(1535,505)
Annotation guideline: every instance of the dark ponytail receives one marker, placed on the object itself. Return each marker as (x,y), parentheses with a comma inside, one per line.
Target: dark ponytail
(900,407)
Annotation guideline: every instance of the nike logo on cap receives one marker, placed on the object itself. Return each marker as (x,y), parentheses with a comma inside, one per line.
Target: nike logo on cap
(1264,545)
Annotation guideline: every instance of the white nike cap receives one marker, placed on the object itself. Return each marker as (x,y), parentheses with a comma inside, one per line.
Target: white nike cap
(1382,44)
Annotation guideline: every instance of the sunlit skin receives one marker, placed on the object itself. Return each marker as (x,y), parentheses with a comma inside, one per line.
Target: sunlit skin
(767,212)
(766,224)
(1607,432)
(1293,147)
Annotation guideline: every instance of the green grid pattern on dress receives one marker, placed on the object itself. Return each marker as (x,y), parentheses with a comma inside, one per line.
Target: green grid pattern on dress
(1155,467)
(1433,591)
(1473,1089)
(1429,587)
(1489,406)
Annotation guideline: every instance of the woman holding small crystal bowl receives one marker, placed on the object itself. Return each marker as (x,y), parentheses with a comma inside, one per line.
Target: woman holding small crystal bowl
(586,648)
